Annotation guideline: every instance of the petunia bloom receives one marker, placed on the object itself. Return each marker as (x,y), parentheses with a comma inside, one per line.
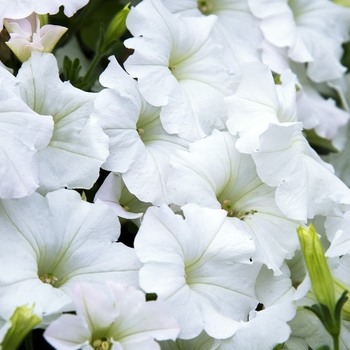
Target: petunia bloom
(179,68)
(51,243)
(27,36)
(199,266)
(120,320)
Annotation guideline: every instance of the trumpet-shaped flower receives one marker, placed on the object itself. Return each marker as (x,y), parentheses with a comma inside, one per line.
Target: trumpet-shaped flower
(265,116)
(313,31)
(236,29)
(178,67)
(306,186)
(313,109)
(78,146)
(276,296)
(216,175)
(120,320)
(139,146)
(199,266)
(51,243)
(27,36)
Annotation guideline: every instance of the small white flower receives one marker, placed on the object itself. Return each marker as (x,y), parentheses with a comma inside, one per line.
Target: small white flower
(50,243)
(313,31)
(120,320)
(78,146)
(236,29)
(214,174)
(306,186)
(178,67)
(138,144)
(199,266)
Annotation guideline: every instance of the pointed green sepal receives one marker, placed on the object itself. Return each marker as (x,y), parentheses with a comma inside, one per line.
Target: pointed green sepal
(326,317)
(23,320)
(339,308)
(340,289)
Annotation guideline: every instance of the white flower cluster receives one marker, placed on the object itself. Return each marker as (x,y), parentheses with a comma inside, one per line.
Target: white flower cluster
(203,133)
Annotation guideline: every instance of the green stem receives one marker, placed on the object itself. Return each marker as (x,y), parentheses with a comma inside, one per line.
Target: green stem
(336,342)
(93,66)
(28,341)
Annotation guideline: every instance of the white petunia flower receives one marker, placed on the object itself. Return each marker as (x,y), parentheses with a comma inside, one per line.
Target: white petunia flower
(313,109)
(178,67)
(265,116)
(120,320)
(23,133)
(27,36)
(236,29)
(313,31)
(268,327)
(78,146)
(139,146)
(306,186)
(51,243)
(216,175)
(199,266)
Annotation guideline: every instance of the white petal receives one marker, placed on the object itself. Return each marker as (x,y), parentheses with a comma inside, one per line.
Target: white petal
(78,146)
(23,134)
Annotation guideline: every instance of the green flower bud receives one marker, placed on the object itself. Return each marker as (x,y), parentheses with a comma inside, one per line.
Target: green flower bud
(117,26)
(22,321)
(317,266)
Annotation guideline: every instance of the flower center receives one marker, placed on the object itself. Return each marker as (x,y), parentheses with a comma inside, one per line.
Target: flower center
(204,6)
(48,278)
(240,214)
(102,344)
(226,205)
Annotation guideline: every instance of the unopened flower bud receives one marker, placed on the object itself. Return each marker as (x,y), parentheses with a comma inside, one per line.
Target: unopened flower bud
(317,266)
(27,36)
